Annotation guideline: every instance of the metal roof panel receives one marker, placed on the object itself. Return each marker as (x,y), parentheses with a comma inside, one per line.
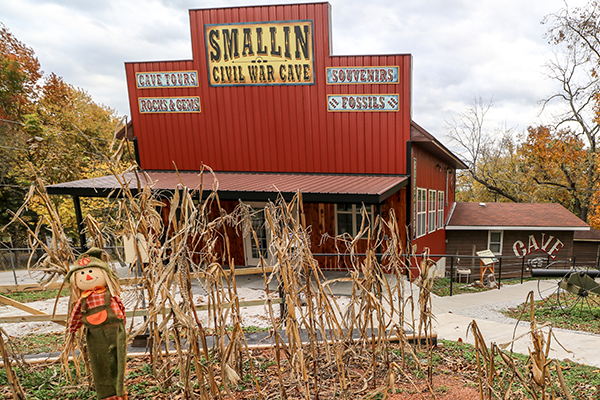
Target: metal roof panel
(250,185)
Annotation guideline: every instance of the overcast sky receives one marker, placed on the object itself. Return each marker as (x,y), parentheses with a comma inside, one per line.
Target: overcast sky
(461,48)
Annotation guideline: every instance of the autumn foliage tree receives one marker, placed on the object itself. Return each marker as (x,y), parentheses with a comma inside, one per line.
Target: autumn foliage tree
(48,124)
(19,74)
(556,162)
(560,168)
(576,35)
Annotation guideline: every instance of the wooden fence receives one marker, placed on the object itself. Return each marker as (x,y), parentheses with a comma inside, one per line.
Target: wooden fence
(39,316)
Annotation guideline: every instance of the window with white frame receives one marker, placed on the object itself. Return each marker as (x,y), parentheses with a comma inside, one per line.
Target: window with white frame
(495,241)
(421,212)
(255,248)
(440,210)
(432,210)
(349,217)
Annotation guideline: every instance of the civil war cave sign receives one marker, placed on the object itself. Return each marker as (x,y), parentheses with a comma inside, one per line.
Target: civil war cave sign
(262,53)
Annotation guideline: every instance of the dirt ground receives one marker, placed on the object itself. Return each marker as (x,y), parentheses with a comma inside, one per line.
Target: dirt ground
(453,379)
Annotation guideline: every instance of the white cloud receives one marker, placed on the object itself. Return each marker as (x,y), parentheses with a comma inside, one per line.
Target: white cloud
(461,49)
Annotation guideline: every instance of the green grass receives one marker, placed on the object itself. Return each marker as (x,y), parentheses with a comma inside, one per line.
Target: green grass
(39,343)
(582,380)
(255,329)
(144,370)
(441,286)
(48,383)
(251,329)
(30,296)
(586,318)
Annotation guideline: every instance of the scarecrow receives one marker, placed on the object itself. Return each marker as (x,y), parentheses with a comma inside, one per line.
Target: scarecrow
(99,308)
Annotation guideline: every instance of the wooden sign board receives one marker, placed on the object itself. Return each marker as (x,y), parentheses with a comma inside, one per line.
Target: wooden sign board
(488,257)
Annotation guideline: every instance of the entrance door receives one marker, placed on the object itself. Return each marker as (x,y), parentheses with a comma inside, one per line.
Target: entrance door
(252,249)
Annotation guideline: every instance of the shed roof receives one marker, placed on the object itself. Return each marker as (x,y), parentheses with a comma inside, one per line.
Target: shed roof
(371,189)
(593,235)
(514,216)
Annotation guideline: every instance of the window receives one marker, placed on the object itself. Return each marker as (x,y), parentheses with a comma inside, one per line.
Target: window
(495,241)
(421,212)
(440,210)
(432,210)
(349,217)
(252,251)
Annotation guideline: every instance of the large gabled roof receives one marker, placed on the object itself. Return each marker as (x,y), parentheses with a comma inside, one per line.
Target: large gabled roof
(248,186)
(514,216)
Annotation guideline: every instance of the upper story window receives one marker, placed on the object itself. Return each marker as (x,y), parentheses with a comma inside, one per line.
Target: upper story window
(495,241)
(421,212)
(432,210)
(349,217)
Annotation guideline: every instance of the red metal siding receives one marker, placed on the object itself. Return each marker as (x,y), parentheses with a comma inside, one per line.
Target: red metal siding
(432,174)
(281,128)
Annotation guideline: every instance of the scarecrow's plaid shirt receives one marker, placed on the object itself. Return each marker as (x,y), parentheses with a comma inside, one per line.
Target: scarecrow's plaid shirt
(95,300)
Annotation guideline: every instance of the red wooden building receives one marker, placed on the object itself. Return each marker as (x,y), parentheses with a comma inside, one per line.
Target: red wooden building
(265,105)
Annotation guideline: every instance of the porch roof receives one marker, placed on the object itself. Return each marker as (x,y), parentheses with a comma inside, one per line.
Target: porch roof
(247,186)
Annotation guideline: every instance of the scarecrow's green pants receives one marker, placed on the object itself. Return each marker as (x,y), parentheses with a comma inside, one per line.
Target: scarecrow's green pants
(107,348)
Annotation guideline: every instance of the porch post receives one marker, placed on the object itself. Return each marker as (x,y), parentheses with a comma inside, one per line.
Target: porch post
(79,219)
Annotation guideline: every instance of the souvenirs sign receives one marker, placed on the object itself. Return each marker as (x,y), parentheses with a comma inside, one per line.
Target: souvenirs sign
(261,53)
(148,80)
(169,104)
(362,102)
(357,75)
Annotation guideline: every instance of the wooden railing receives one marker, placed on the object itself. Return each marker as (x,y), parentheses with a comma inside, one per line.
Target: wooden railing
(39,316)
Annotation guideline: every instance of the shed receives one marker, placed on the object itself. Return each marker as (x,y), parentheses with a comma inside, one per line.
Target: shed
(516,232)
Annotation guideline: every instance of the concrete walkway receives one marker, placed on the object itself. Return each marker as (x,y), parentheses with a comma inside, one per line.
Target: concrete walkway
(451,325)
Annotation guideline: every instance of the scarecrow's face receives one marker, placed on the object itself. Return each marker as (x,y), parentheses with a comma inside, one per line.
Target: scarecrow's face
(89,278)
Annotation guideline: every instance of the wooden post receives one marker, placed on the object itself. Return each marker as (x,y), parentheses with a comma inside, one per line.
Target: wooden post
(80,226)
(451,273)
(24,307)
